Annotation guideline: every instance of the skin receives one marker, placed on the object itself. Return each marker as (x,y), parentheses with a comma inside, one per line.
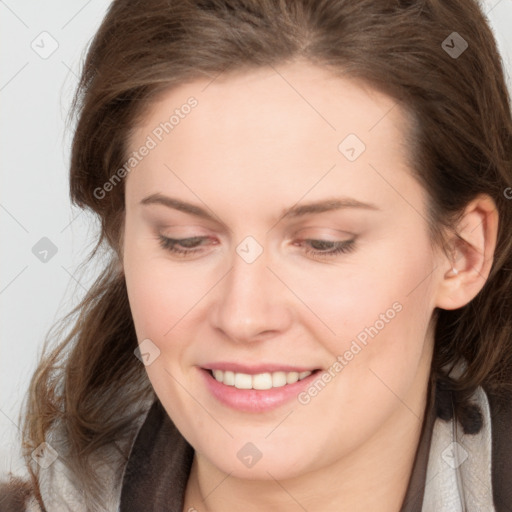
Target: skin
(253,146)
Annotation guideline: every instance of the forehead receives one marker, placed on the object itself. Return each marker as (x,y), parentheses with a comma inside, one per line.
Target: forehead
(271,130)
(270,99)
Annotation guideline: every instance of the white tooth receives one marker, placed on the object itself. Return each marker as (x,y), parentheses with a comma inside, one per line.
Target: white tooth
(229,378)
(243,381)
(278,379)
(259,381)
(262,381)
(292,377)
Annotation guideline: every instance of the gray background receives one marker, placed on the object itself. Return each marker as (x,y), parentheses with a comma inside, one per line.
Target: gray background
(35,91)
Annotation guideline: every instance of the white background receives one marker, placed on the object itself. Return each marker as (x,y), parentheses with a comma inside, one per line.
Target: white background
(35,94)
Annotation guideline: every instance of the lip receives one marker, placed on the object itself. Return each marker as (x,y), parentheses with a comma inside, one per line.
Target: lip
(254,400)
(255,369)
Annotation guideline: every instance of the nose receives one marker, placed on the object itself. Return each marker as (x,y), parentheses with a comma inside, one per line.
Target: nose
(251,303)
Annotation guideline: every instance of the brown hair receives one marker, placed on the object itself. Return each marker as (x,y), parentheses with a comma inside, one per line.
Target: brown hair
(461,146)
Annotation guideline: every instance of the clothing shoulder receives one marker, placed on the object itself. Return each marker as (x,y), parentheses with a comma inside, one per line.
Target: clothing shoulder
(17,495)
(60,490)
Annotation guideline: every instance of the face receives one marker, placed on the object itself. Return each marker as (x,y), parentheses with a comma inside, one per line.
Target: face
(274,232)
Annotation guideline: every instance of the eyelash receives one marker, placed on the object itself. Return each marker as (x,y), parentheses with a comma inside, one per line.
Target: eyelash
(170,244)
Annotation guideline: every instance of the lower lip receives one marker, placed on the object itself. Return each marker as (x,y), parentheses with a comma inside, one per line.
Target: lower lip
(255,400)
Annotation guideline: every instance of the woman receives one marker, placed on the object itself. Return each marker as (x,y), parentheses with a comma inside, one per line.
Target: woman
(307,303)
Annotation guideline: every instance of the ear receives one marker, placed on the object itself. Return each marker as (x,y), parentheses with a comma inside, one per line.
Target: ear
(466,269)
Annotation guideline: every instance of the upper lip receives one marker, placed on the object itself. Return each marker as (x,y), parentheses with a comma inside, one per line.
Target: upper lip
(257,368)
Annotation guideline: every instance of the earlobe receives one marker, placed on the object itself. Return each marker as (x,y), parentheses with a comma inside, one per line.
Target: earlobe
(467,268)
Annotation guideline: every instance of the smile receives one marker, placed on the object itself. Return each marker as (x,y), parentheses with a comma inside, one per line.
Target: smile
(259,381)
(258,391)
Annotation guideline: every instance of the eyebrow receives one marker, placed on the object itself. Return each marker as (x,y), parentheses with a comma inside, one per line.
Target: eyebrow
(292,212)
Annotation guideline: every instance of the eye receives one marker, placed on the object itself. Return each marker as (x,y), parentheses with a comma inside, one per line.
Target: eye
(327,248)
(182,246)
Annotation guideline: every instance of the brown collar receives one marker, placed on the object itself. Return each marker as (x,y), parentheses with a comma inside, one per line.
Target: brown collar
(415,490)
(157,471)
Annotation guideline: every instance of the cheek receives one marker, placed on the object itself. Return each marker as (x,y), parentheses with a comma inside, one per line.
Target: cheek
(149,302)
(158,292)
(149,299)
(377,310)
(378,352)
(161,304)
(167,306)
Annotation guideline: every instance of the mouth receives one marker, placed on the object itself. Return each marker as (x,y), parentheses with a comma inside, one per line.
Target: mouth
(259,381)
(255,390)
